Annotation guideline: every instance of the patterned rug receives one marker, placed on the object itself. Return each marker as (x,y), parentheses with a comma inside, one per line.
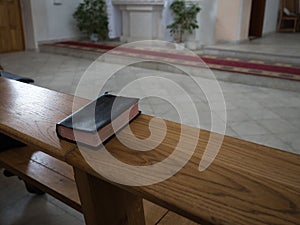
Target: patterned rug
(238,65)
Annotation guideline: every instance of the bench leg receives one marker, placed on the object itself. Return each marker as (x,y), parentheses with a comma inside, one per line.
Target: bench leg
(103,203)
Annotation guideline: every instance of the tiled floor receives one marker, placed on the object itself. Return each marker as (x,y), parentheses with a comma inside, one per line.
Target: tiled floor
(262,115)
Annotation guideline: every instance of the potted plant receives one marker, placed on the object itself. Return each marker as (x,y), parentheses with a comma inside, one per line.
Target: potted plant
(185,19)
(92,19)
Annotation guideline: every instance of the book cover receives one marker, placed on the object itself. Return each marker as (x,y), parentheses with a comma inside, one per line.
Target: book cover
(98,120)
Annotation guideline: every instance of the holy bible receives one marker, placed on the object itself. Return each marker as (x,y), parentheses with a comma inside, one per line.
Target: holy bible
(94,123)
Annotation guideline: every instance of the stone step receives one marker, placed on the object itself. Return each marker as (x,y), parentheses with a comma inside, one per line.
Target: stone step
(230,51)
(195,71)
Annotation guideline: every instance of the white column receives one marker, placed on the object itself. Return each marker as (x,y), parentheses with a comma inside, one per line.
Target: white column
(114,20)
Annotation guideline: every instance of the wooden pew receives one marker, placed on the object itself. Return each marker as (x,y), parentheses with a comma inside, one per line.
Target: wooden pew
(56,178)
(44,172)
(246,184)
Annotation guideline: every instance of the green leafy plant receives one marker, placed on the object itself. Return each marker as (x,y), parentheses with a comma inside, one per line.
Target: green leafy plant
(185,18)
(91,18)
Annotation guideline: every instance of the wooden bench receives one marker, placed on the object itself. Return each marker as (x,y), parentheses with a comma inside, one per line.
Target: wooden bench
(246,184)
(44,172)
(56,178)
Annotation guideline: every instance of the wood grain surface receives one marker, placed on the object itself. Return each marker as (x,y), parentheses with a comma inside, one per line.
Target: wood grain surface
(246,184)
(154,213)
(29,114)
(103,203)
(173,218)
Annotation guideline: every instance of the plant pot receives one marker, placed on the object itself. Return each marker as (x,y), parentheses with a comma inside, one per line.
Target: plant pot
(180,46)
(94,37)
(192,45)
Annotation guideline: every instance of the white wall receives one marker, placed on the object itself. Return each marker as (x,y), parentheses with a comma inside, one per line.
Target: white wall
(245,14)
(271,16)
(54,22)
(114,20)
(228,21)
(207,22)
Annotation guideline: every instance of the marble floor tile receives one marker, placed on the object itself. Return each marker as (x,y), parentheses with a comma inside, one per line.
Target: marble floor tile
(294,121)
(292,99)
(260,113)
(292,139)
(278,126)
(246,104)
(248,128)
(234,116)
(287,112)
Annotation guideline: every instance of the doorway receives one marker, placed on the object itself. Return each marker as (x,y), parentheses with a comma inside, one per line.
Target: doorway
(11,29)
(257,18)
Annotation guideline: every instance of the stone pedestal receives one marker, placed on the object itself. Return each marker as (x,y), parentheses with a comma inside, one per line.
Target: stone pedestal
(141,20)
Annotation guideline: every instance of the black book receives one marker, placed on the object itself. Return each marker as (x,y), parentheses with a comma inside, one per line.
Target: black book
(99,120)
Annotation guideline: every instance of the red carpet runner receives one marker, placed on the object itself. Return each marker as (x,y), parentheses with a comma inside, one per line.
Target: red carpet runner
(257,68)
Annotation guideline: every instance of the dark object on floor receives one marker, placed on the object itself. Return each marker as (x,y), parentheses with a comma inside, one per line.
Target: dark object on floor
(32,189)
(7,142)
(15,77)
(8,173)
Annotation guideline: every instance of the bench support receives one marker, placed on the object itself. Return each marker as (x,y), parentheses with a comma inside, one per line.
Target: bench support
(104,203)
